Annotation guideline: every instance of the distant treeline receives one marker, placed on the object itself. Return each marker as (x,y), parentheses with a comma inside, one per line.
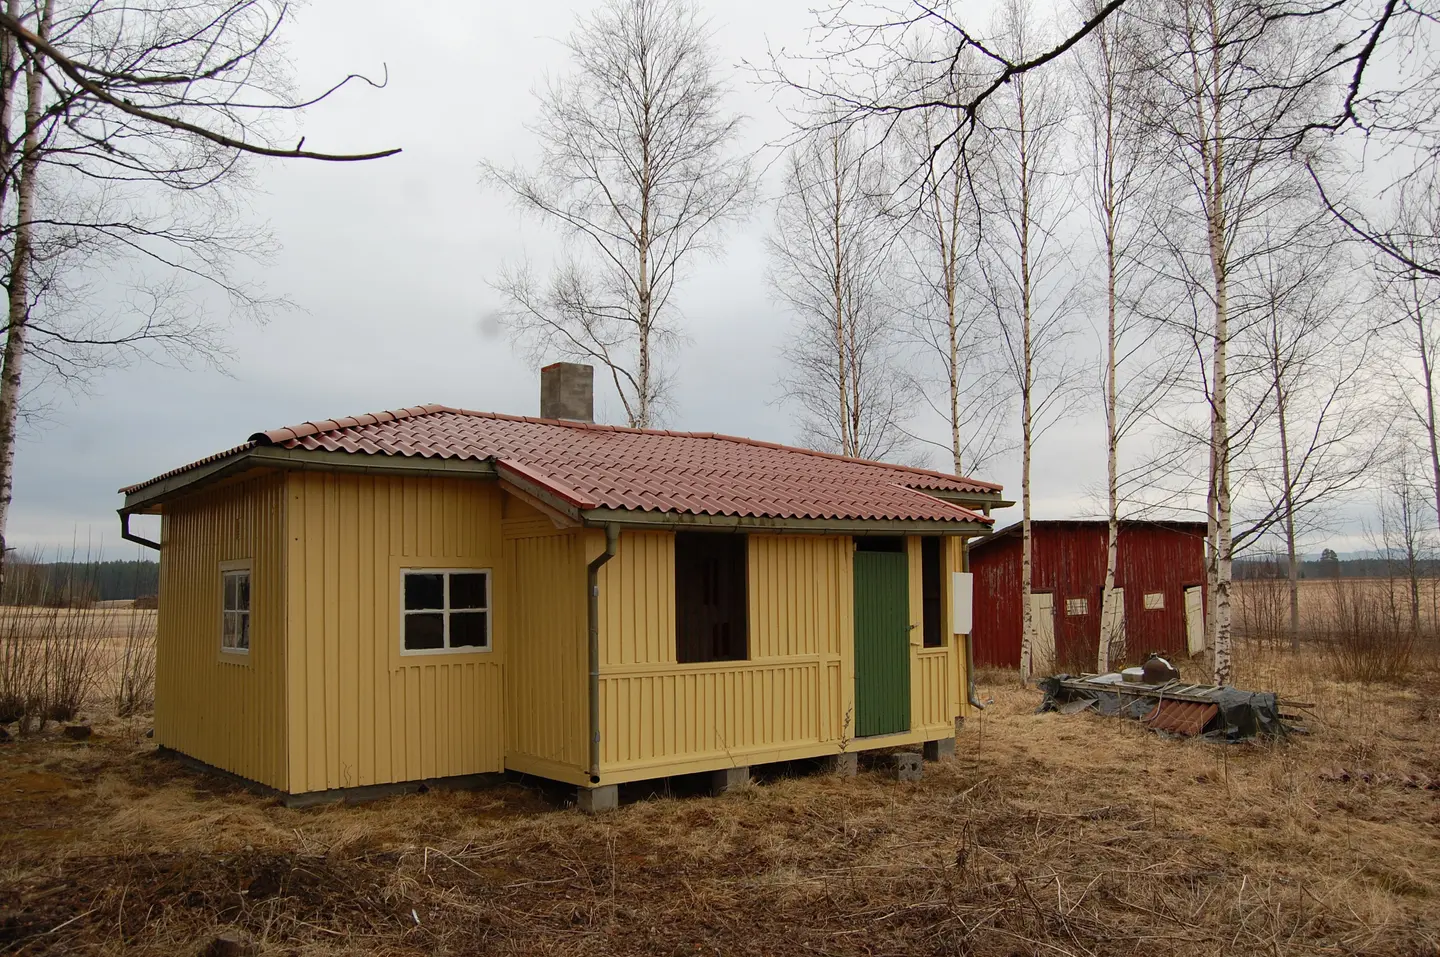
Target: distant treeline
(1268,567)
(71,583)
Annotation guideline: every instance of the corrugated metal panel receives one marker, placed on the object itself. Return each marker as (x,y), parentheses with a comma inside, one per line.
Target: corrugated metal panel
(1181,717)
(230,714)
(882,643)
(361,713)
(546,657)
(1070,563)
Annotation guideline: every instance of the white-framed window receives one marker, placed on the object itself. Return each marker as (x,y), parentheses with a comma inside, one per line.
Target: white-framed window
(1154,600)
(444,610)
(1077,606)
(235,608)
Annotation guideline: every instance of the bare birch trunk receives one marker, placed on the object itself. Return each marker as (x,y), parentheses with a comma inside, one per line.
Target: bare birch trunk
(1426,361)
(643,327)
(1207,88)
(842,372)
(1287,501)
(1027,641)
(16,335)
(949,251)
(1112,639)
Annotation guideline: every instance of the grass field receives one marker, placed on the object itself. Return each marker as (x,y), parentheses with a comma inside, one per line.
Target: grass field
(1046,835)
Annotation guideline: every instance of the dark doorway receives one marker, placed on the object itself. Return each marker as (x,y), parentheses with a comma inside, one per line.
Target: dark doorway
(710,597)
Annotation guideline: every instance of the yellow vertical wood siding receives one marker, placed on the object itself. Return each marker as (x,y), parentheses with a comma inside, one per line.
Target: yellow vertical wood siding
(360,712)
(795,691)
(932,670)
(957,561)
(547,651)
(230,713)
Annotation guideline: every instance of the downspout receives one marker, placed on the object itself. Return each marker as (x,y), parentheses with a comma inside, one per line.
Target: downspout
(612,541)
(130,536)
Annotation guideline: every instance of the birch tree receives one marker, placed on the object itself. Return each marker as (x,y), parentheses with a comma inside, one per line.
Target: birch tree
(1411,320)
(941,244)
(1024,264)
(122,126)
(639,171)
(1316,437)
(1223,88)
(831,262)
(1137,376)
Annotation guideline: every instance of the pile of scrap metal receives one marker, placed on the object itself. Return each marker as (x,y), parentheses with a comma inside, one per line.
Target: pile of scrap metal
(1170,707)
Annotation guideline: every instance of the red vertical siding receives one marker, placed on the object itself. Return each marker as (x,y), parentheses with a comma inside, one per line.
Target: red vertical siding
(1069,562)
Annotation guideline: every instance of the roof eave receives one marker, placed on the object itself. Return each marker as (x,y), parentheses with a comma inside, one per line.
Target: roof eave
(150,497)
(958,497)
(679,521)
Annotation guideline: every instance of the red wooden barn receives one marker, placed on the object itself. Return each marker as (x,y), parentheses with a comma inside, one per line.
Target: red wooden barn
(1160,566)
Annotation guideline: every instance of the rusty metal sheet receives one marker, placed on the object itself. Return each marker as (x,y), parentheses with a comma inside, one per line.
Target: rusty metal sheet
(1181,717)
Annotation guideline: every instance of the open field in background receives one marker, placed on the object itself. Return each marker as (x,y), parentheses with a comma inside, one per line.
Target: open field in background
(1046,835)
(1262,606)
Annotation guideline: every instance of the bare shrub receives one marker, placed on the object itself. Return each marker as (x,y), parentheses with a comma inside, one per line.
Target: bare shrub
(1262,607)
(21,671)
(50,660)
(1370,638)
(135,669)
(73,640)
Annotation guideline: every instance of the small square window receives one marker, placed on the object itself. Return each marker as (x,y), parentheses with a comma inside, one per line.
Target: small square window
(445,610)
(1155,600)
(1077,606)
(235,610)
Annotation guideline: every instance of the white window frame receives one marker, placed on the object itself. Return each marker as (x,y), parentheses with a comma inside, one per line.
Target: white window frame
(227,569)
(1071,604)
(1154,601)
(445,612)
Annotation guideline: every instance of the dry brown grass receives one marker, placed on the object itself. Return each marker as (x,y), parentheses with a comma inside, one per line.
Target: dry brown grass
(1047,835)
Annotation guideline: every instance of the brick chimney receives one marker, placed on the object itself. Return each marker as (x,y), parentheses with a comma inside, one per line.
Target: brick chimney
(567,391)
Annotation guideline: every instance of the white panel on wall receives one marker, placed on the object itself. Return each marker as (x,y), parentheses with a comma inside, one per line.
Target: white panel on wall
(962,601)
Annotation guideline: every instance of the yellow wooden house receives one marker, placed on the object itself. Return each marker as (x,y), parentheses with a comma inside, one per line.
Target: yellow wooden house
(434,593)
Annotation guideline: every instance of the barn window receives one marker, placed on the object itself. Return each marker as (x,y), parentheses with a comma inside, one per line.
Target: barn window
(710,592)
(444,610)
(235,607)
(931,605)
(1077,606)
(1154,600)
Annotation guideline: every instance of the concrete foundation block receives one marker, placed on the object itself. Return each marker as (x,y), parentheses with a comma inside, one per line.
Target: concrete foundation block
(729,779)
(939,750)
(844,765)
(908,766)
(595,800)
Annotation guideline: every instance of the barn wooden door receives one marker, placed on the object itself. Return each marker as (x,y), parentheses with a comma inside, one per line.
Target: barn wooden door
(1194,619)
(882,643)
(1042,648)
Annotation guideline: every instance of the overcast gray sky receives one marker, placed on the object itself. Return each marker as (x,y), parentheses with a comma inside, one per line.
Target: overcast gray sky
(388,262)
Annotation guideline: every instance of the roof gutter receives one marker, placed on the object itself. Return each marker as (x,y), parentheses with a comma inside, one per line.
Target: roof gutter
(130,536)
(592,583)
(681,521)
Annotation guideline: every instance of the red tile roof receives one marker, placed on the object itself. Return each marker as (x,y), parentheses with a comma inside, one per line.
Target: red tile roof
(603,466)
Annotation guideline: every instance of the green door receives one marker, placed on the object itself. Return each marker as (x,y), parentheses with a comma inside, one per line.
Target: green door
(882,643)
